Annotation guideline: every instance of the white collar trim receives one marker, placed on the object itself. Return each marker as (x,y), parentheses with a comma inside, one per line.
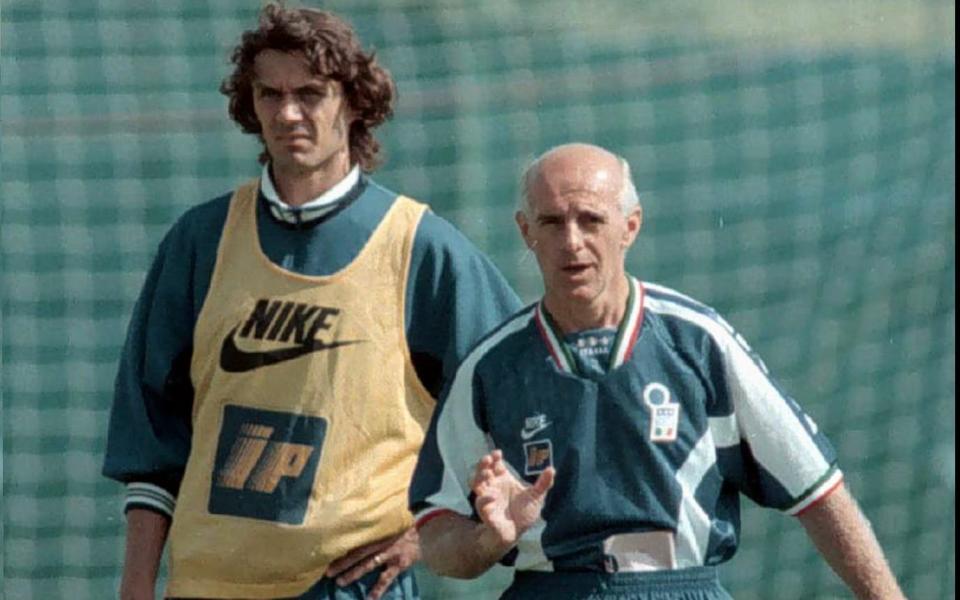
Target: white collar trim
(313,209)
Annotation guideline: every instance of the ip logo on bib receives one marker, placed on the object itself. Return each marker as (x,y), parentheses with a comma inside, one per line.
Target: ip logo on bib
(265,464)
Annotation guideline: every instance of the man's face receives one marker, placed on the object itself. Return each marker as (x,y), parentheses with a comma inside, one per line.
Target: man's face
(305,119)
(576,227)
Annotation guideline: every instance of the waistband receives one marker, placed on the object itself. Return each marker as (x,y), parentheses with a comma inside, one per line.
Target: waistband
(674,579)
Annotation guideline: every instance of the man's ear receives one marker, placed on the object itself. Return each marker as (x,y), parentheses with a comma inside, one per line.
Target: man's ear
(634,223)
(350,114)
(524,226)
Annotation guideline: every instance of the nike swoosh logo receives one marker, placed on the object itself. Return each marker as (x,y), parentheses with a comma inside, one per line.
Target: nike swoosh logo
(526,434)
(235,360)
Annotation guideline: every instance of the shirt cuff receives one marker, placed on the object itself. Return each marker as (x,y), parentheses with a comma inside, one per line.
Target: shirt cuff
(428,514)
(149,496)
(820,491)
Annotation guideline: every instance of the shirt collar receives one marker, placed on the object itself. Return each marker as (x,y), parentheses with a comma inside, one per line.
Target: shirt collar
(314,209)
(623,344)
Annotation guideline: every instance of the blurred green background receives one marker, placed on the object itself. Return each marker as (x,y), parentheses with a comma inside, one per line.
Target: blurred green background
(796,162)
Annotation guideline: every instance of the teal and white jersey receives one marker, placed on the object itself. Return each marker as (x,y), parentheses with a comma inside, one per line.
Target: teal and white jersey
(651,453)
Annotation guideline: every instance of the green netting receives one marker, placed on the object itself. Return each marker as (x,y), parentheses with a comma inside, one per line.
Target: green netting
(796,163)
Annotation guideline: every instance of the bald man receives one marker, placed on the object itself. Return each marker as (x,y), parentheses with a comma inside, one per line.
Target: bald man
(600,439)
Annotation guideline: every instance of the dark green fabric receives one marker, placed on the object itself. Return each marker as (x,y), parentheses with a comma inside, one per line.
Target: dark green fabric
(700,583)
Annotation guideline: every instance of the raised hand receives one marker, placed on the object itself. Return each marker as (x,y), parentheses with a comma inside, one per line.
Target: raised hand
(505,504)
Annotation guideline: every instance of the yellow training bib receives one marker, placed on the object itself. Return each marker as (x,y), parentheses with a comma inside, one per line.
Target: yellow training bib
(307,414)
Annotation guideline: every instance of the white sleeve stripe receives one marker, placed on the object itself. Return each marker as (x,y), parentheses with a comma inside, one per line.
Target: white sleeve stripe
(150,495)
(789,453)
(693,522)
(149,488)
(817,494)
(725,431)
(460,443)
(146,500)
(673,296)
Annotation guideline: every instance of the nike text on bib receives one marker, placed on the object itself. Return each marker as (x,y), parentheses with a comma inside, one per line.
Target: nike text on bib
(279,321)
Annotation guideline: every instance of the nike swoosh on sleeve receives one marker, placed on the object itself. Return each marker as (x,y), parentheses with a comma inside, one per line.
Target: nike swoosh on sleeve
(235,360)
(527,434)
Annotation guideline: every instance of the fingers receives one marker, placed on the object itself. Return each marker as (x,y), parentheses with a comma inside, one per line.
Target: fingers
(488,468)
(384,582)
(358,558)
(499,466)
(393,555)
(482,471)
(544,482)
(485,506)
(358,570)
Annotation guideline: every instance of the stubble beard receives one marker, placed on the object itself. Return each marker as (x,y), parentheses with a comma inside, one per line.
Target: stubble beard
(302,164)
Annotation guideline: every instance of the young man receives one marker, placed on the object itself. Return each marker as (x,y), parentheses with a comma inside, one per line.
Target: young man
(599,440)
(282,360)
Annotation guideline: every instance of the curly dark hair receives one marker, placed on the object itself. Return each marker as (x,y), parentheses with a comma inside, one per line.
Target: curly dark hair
(333,51)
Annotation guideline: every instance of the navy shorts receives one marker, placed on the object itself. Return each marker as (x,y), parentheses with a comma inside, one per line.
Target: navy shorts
(698,583)
(404,587)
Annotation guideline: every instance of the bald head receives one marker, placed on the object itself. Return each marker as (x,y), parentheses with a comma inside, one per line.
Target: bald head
(580,216)
(572,168)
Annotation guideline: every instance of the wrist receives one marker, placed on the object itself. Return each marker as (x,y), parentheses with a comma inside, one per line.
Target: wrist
(490,542)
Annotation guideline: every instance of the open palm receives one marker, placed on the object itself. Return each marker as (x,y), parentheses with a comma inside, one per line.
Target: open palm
(505,504)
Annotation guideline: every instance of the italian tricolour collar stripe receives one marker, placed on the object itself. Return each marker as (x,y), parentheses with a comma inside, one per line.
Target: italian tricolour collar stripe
(630,326)
(557,350)
(623,344)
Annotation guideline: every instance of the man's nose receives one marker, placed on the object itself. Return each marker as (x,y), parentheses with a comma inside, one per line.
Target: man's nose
(290,110)
(572,236)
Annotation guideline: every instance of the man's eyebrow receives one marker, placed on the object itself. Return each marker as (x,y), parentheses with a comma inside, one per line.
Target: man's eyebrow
(319,85)
(594,212)
(547,216)
(313,86)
